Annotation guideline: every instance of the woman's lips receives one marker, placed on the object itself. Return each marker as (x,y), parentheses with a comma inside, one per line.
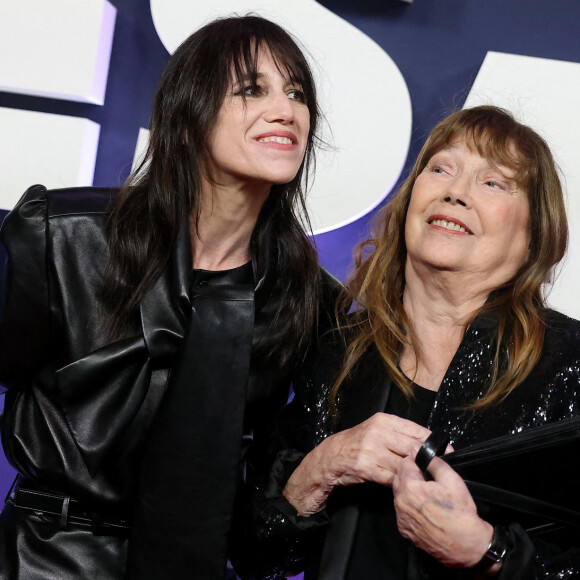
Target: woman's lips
(278,139)
(450,224)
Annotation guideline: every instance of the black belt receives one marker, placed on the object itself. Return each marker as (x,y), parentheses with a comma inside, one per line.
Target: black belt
(26,496)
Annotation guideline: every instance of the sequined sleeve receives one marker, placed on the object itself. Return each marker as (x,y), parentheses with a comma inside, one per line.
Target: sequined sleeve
(285,541)
(549,394)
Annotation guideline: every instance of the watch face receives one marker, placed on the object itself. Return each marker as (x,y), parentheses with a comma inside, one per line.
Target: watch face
(495,554)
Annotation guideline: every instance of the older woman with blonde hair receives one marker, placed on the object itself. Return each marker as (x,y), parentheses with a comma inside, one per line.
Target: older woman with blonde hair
(452,332)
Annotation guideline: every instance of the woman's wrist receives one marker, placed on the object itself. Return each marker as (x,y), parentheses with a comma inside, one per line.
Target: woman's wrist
(492,560)
(306,501)
(307,489)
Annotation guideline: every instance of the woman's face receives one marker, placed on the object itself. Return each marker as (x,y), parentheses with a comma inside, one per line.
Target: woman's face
(260,140)
(468,216)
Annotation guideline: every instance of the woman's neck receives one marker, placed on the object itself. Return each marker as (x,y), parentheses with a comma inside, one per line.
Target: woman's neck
(227,219)
(439,309)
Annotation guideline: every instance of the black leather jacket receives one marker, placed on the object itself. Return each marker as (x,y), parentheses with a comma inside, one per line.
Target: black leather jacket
(77,408)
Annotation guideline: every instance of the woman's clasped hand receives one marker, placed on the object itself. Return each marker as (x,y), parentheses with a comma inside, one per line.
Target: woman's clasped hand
(439,516)
(371,451)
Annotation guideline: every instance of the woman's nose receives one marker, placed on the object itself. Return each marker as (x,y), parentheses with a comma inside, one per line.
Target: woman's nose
(280,108)
(454,199)
(458,193)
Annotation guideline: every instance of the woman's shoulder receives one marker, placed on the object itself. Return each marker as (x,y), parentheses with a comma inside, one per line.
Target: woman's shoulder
(560,324)
(73,219)
(39,203)
(331,288)
(79,200)
(561,353)
(329,281)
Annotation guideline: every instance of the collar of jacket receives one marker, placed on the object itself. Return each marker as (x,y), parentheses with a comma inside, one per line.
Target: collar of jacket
(166,307)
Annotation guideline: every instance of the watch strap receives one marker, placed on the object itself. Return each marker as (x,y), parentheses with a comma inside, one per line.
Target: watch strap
(495,552)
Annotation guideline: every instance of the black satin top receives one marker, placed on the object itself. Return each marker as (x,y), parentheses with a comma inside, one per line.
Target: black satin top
(189,476)
(241,275)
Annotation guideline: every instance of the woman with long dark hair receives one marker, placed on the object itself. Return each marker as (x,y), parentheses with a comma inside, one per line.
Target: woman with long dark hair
(452,333)
(150,334)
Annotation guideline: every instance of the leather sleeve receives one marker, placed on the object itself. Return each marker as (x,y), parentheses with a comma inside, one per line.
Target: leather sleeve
(25,317)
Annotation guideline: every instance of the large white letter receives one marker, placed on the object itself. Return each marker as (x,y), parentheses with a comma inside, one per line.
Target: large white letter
(58,49)
(544,94)
(54,150)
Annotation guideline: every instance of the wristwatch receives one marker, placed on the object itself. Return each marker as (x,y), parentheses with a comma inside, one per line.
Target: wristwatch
(495,552)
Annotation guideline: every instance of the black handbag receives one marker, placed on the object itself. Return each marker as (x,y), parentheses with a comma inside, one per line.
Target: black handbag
(531,477)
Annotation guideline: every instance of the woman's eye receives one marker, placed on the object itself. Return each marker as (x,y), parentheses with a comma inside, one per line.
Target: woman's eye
(249,91)
(495,184)
(297,95)
(253,90)
(437,169)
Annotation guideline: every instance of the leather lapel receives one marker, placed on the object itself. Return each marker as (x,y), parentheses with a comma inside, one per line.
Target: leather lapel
(166,307)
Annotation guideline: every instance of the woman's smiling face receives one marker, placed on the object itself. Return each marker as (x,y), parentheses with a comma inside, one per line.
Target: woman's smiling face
(468,215)
(262,129)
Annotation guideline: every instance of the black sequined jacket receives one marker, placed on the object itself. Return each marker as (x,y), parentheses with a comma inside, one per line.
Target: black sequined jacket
(550,393)
(78,407)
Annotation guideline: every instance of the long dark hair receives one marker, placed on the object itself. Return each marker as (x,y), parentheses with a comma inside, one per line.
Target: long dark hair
(165,187)
(379,278)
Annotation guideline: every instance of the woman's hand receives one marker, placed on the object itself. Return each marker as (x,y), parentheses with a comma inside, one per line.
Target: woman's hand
(440,516)
(370,451)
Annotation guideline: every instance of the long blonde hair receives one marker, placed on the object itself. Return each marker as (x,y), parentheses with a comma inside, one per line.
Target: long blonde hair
(378,281)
